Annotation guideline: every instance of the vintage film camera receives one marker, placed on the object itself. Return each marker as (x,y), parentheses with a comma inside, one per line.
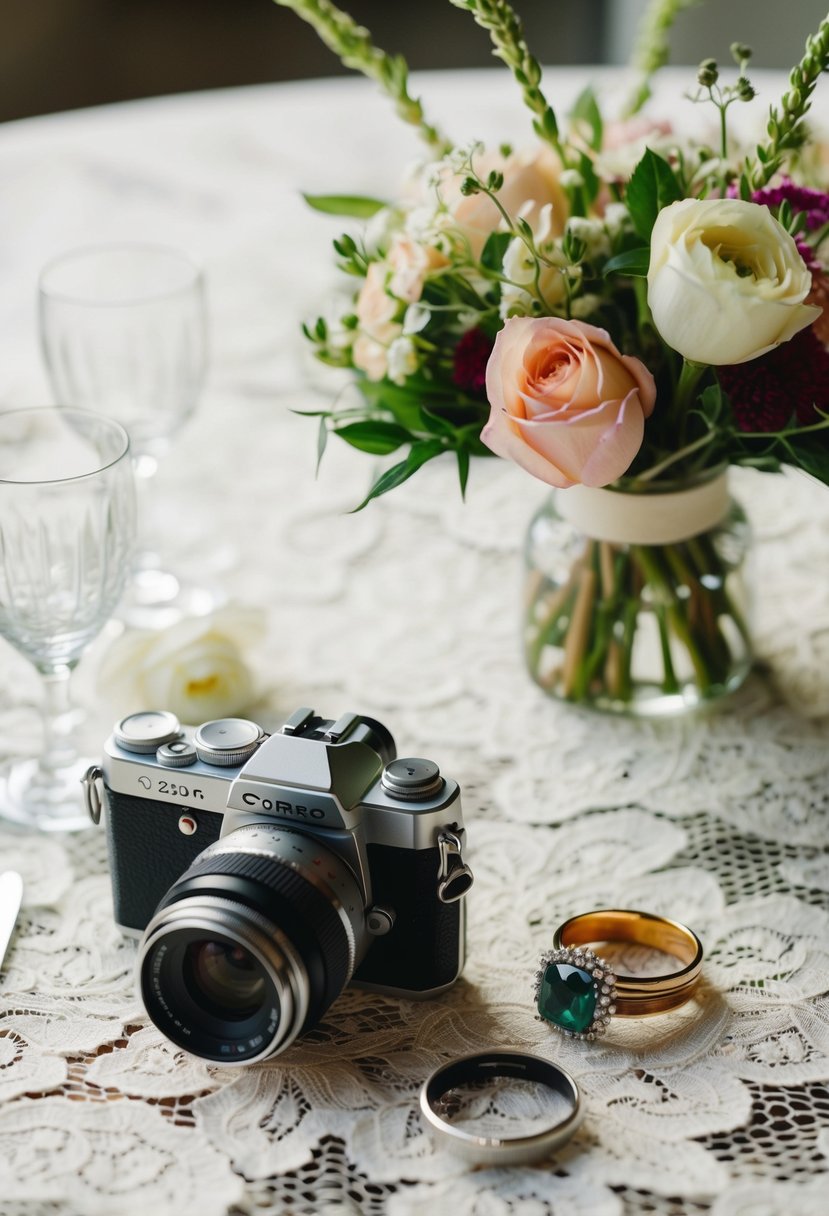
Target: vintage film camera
(263,873)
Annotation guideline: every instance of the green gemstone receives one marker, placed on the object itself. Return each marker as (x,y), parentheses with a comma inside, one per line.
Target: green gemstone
(567,997)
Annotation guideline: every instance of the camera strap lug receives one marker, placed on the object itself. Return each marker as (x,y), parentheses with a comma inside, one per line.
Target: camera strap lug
(92,792)
(454,875)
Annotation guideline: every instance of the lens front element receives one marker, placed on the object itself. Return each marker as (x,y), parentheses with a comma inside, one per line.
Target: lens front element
(252,944)
(225,979)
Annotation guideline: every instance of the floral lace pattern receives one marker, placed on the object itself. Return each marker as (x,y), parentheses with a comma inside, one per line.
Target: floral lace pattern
(407,611)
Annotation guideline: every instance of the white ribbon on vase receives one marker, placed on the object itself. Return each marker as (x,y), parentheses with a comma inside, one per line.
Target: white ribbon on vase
(624,518)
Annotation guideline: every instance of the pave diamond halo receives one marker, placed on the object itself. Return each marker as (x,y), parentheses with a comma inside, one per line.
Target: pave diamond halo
(575,991)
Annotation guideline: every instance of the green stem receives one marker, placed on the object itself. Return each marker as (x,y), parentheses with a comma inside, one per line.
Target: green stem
(670,683)
(352,43)
(686,391)
(786,129)
(630,614)
(649,562)
(656,469)
(505,29)
(652,48)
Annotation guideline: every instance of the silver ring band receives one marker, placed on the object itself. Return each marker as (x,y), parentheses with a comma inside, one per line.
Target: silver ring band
(494,1150)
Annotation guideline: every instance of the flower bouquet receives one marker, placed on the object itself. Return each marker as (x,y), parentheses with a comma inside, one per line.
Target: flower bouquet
(622,313)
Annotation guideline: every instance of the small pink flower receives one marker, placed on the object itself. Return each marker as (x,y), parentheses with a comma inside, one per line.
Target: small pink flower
(566,405)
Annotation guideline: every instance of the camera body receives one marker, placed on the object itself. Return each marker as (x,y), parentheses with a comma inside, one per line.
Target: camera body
(283,865)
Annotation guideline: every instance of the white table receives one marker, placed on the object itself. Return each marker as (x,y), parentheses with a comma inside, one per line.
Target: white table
(408,611)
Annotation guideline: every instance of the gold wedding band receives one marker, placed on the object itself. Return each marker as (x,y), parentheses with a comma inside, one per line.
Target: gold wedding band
(578,992)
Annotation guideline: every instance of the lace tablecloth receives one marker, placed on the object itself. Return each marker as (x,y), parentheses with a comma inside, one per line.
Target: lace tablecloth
(408,611)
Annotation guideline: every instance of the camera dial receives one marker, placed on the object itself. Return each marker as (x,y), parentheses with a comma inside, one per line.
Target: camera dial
(227,741)
(412,778)
(145,732)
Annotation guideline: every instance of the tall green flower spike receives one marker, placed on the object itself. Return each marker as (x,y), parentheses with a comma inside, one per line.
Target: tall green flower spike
(652,49)
(507,34)
(354,46)
(786,128)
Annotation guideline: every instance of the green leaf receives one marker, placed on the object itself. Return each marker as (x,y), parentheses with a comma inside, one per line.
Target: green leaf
(652,186)
(463,469)
(492,254)
(322,440)
(419,454)
(713,403)
(355,205)
(374,436)
(633,262)
(592,185)
(586,110)
(807,454)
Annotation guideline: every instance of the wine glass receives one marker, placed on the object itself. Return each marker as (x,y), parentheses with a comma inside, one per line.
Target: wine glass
(67,526)
(123,331)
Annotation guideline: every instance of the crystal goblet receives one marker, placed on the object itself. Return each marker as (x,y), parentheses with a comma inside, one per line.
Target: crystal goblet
(67,527)
(123,331)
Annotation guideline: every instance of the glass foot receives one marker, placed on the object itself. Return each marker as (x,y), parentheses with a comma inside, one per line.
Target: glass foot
(28,799)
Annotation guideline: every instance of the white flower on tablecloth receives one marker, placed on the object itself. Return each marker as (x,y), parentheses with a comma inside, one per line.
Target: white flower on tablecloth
(196,668)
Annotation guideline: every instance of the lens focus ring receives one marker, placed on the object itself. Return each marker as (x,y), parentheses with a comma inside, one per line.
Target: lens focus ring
(302,911)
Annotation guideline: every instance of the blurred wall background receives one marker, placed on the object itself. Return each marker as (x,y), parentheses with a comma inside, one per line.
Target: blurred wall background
(62,54)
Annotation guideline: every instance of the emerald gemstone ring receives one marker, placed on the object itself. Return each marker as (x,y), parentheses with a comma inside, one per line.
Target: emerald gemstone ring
(575,991)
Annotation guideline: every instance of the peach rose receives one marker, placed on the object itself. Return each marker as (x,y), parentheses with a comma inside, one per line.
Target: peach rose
(375,312)
(410,263)
(566,405)
(530,183)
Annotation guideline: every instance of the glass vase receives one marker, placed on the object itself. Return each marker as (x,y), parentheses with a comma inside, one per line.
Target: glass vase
(638,603)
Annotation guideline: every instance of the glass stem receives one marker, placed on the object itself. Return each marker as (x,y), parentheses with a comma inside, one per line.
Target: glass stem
(145,468)
(59,720)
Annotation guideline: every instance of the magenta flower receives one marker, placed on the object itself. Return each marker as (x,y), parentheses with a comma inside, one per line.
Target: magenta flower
(790,381)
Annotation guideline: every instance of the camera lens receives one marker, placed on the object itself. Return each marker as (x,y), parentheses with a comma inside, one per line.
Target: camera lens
(252,944)
(225,979)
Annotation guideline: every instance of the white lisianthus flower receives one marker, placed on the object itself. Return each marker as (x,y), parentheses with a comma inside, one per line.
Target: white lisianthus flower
(380,230)
(571,179)
(519,267)
(430,225)
(726,282)
(593,233)
(195,668)
(514,302)
(583,308)
(616,219)
(402,360)
(416,318)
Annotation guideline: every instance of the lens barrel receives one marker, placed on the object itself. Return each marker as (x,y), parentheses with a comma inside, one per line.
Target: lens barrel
(252,944)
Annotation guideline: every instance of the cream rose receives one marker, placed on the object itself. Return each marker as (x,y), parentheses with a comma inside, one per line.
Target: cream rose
(726,282)
(531,182)
(194,668)
(565,404)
